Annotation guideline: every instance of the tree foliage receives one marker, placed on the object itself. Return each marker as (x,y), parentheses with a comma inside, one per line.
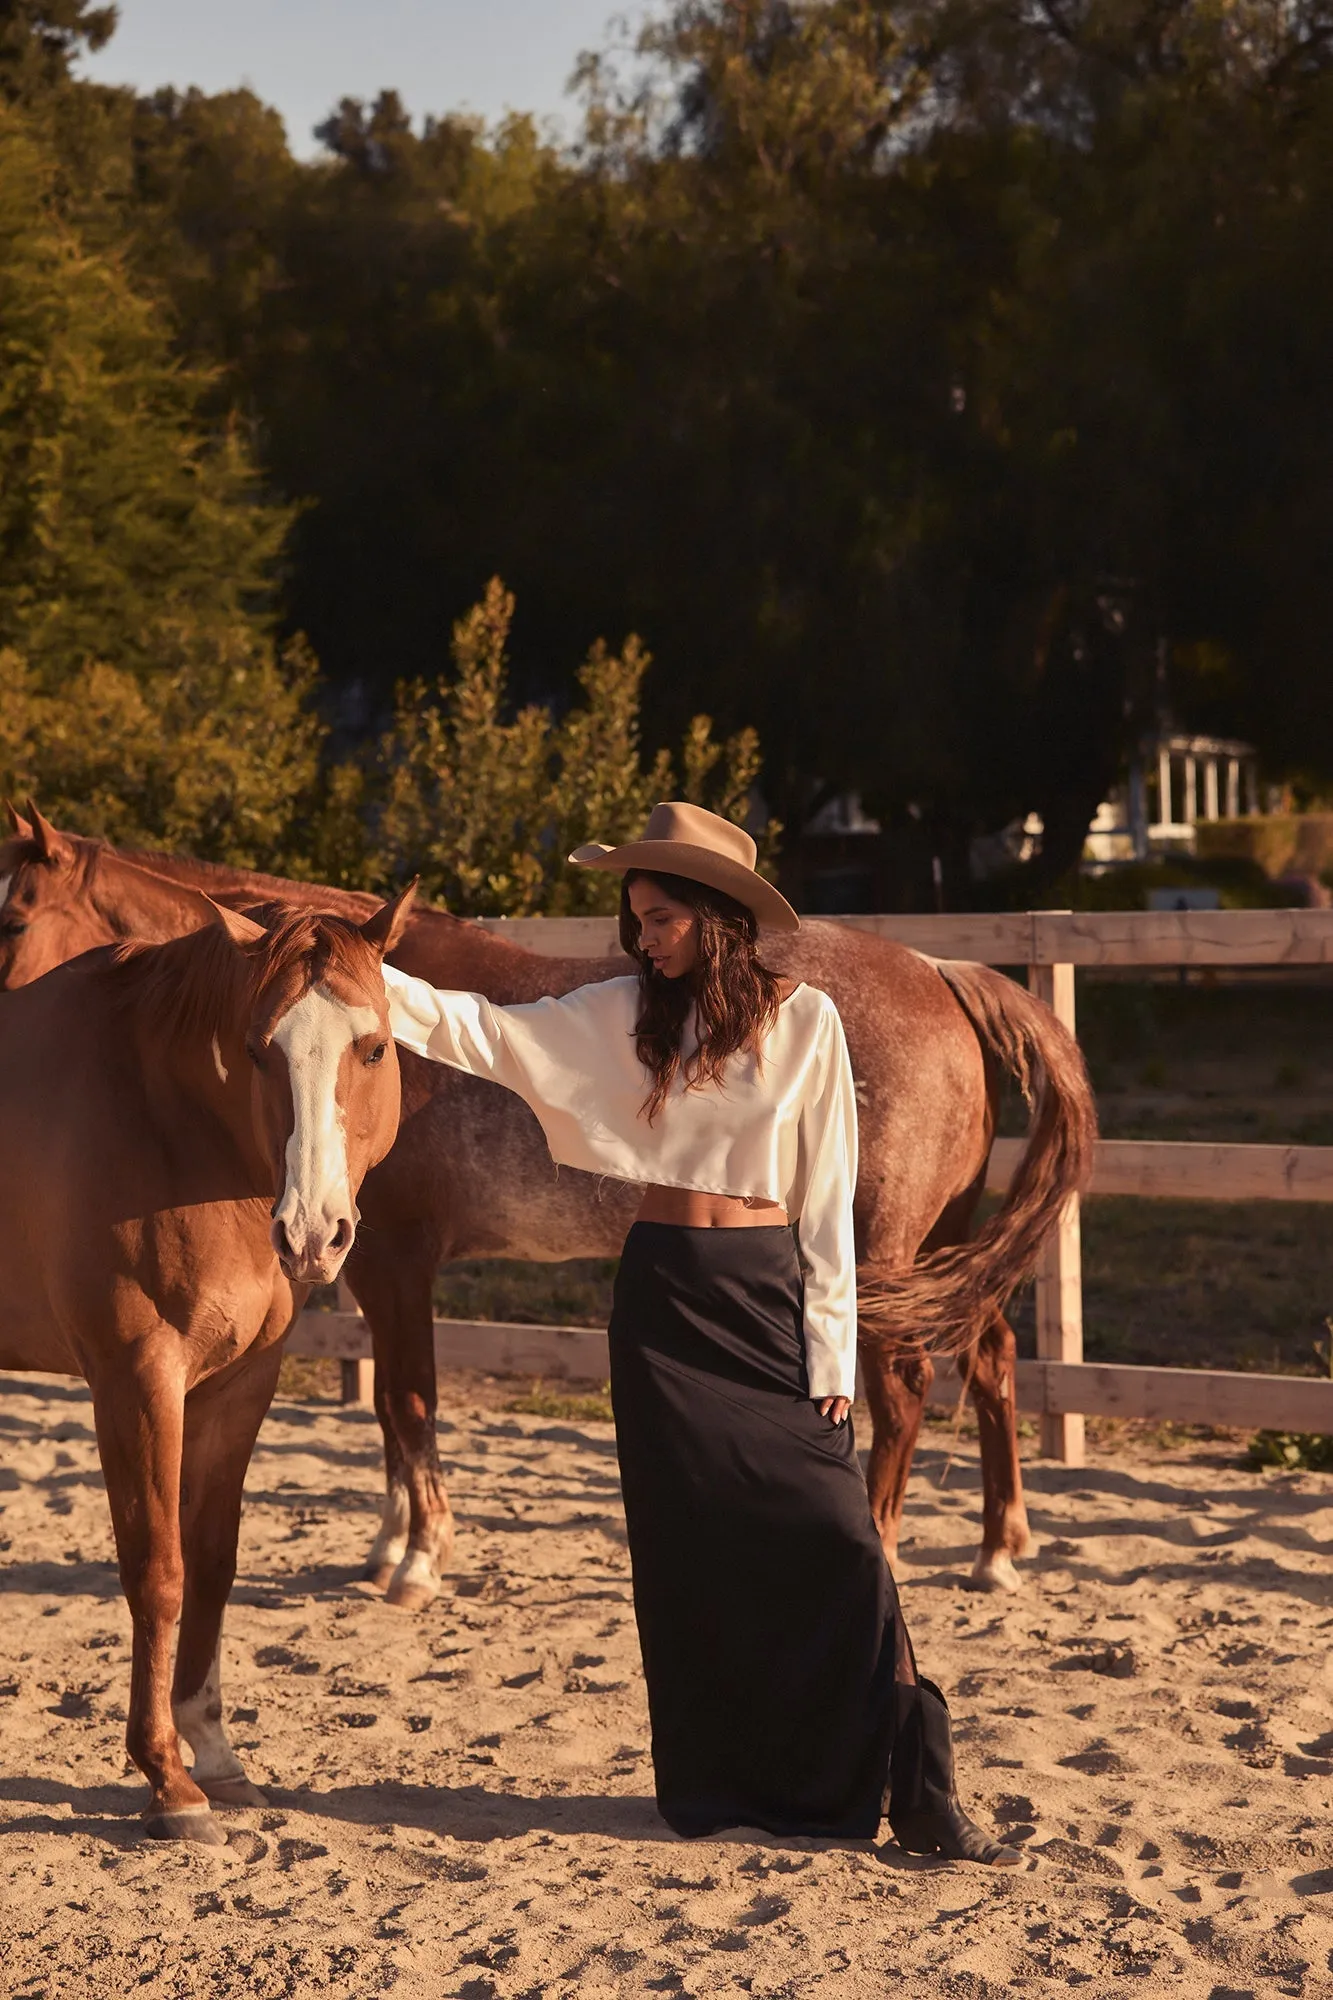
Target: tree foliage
(40,38)
(121,516)
(219,758)
(142,695)
(919,379)
(486,804)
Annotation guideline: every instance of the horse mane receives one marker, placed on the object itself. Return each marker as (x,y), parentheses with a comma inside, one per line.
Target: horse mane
(202,983)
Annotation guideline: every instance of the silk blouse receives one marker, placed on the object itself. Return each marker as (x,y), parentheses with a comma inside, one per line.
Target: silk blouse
(782,1129)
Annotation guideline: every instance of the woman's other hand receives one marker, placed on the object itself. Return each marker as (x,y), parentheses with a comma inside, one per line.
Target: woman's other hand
(835,1408)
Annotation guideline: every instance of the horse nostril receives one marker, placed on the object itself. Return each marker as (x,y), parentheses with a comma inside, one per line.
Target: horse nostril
(278,1237)
(342,1236)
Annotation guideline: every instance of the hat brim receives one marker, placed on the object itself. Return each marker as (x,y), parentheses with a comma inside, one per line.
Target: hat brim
(697,864)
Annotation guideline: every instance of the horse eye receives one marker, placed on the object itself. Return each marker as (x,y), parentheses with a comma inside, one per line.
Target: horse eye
(256,1054)
(12,926)
(377,1053)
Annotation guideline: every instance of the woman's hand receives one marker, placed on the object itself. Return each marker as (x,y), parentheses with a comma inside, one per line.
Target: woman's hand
(835,1408)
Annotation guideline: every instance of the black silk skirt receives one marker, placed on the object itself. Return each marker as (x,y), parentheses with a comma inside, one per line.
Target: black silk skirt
(773,1646)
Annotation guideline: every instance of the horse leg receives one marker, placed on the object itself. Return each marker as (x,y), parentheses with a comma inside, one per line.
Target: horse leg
(222,1419)
(140,1424)
(1004,1532)
(392,1285)
(390,1543)
(896,1389)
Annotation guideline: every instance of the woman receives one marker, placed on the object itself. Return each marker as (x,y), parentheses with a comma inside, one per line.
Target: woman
(781,1682)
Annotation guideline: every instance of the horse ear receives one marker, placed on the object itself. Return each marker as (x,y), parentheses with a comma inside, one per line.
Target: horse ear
(239,928)
(51,845)
(18,826)
(385,929)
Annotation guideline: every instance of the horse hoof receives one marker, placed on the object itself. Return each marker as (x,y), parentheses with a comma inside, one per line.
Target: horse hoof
(379,1575)
(415,1582)
(197,1824)
(995,1572)
(232,1792)
(411,1596)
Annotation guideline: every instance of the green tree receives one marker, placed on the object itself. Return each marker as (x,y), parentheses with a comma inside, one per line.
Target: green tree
(485,805)
(40,38)
(219,758)
(121,516)
(143,696)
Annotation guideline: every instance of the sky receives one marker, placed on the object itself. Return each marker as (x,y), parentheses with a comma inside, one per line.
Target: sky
(486,56)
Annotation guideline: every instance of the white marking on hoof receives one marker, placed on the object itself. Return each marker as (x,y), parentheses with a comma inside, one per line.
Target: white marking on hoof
(199,1720)
(415,1582)
(995,1571)
(386,1552)
(390,1544)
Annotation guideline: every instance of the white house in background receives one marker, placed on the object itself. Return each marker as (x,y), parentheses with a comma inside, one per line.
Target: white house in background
(842,814)
(1174,782)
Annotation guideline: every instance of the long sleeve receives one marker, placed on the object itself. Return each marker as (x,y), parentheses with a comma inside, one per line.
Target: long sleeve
(826,1179)
(569,1056)
(464,1030)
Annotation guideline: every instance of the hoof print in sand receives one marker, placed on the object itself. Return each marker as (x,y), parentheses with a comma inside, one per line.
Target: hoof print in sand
(283,1656)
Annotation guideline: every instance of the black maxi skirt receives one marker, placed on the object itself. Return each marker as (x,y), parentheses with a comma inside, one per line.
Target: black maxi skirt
(768,1617)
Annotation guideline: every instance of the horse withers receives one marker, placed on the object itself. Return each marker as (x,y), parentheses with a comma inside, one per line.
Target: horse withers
(184,1129)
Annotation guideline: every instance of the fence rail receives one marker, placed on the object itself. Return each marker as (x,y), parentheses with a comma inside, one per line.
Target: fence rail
(1059,1385)
(1045,1388)
(1028,937)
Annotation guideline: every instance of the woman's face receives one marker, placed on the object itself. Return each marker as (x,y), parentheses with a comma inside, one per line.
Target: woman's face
(668,930)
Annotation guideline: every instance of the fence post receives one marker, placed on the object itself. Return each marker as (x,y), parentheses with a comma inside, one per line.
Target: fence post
(358,1377)
(1060,1273)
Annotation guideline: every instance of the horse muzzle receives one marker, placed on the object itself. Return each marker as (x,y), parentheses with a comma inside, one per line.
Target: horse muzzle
(313,1253)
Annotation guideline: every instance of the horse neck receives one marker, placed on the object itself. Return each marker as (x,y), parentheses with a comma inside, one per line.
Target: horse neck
(447,950)
(236,886)
(137,905)
(189,999)
(450,952)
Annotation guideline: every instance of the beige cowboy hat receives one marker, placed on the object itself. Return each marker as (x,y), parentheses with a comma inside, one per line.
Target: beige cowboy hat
(681,839)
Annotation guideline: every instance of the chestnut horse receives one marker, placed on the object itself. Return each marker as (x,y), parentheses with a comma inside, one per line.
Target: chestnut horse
(186,1127)
(470,1176)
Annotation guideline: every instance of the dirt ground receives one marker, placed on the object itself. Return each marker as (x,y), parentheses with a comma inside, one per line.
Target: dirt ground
(461,1800)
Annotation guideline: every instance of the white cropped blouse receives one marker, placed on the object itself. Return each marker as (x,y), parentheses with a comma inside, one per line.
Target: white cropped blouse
(784,1131)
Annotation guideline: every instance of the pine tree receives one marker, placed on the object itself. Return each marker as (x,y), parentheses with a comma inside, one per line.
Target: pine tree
(142,694)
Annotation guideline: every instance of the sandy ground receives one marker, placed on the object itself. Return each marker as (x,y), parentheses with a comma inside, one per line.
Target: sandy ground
(461,1800)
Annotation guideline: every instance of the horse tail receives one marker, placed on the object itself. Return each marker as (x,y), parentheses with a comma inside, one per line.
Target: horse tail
(945,1300)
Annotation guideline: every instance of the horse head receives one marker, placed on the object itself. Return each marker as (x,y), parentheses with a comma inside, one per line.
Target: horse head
(46,916)
(313,1025)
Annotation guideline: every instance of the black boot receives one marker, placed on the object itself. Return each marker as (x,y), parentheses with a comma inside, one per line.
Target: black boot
(923,1807)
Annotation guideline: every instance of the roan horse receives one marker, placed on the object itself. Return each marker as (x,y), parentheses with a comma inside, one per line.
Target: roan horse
(185,1130)
(470,1176)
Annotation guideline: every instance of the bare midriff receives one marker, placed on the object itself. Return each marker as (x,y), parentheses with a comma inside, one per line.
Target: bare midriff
(691,1208)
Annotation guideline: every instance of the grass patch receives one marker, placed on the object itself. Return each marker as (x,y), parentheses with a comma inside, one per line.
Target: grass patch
(1292,1451)
(577,1293)
(309,1379)
(1207,1284)
(539,1401)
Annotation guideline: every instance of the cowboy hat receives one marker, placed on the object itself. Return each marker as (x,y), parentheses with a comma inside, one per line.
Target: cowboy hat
(681,839)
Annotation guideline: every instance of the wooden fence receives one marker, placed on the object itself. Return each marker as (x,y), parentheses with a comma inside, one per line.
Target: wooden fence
(1059,1385)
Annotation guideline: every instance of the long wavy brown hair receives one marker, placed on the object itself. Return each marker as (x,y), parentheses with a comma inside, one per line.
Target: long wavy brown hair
(736,994)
